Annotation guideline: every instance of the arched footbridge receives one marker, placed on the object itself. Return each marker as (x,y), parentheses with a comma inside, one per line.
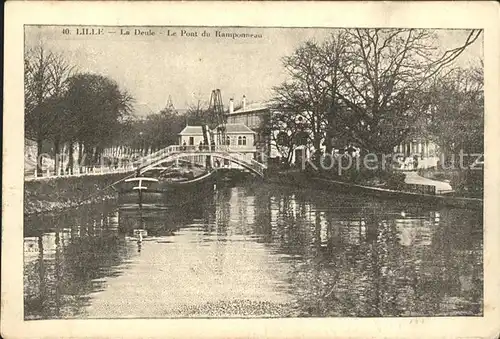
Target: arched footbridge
(156,160)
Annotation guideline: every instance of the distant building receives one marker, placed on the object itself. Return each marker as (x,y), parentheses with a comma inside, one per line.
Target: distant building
(254,116)
(191,135)
(30,155)
(426,151)
(251,115)
(239,138)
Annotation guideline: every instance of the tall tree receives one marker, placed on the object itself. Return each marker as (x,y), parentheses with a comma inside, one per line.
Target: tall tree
(196,114)
(45,76)
(363,86)
(456,117)
(382,76)
(99,106)
(386,72)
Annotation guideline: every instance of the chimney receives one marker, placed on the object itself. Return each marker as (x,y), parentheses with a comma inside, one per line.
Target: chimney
(244,103)
(231,106)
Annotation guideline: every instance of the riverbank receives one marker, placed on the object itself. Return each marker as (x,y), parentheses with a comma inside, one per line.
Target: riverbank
(310,180)
(59,193)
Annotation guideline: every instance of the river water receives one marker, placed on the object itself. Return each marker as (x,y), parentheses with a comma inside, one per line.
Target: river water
(255,250)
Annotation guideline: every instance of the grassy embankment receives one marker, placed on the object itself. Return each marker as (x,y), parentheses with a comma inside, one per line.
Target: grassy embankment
(466,182)
(55,194)
(382,178)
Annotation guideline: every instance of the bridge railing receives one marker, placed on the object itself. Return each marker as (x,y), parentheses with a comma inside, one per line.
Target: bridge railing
(162,153)
(252,163)
(76,172)
(219,149)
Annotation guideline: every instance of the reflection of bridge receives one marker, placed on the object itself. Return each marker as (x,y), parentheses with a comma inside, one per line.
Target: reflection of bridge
(156,160)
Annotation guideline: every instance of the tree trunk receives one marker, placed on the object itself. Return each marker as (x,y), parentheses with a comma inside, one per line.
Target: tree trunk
(57,149)
(317,149)
(70,159)
(38,158)
(328,143)
(97,155)
(80,156)
(88,153)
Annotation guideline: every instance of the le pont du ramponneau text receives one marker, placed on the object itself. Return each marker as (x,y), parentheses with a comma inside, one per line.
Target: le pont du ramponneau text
(189,33)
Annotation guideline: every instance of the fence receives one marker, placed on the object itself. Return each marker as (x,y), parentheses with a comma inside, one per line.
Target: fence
(419,188)
(77,172)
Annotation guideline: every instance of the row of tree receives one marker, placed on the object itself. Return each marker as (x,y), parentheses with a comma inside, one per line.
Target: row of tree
(374,88)
(159,130)
(63,106)
(71,110)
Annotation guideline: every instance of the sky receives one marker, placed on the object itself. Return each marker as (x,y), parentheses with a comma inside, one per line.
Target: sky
(188,65)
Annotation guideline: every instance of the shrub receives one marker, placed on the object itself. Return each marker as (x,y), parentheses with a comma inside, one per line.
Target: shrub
(468,182)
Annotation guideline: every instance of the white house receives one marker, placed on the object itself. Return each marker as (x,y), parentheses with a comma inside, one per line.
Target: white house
(253,115)
(191,135)
(427,151)
(239,138)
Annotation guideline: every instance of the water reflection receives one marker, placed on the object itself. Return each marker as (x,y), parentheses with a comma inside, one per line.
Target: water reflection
(255,251)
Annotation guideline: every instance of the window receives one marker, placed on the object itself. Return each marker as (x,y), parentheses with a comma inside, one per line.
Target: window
(240,140)
(228,141)
(191,141)
(244,142)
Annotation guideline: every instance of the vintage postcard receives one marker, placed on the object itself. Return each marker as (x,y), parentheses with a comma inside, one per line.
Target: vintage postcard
(251,169)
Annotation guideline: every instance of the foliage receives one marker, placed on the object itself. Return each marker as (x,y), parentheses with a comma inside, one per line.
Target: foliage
(469,182)
(365,87)
(45,82)
(97,106)
(456,117)
(62,106)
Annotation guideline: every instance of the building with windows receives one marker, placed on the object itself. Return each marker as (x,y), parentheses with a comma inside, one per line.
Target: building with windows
(191,135)
(239,138)
(427,152)
(253,116)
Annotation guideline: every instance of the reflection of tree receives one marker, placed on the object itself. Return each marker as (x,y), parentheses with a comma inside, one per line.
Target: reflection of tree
(363,269)
(452,269)
(69,263)
(263,224)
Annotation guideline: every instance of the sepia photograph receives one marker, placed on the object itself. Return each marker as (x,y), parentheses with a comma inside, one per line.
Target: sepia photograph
(336,172)
(252,172)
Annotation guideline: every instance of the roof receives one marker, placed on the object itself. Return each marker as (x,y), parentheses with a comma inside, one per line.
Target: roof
(237,128)
(192,130)
(256,106)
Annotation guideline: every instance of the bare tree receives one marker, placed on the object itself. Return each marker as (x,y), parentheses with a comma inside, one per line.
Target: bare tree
(334,57)
(306,94)
(456,118)
(45,75)
(381,75)
(386,74)
(196,114)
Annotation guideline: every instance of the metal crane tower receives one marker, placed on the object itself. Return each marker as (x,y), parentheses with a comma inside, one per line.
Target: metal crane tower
(216,109)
